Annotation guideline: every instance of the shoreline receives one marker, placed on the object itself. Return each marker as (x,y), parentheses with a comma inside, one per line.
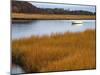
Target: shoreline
(22,16)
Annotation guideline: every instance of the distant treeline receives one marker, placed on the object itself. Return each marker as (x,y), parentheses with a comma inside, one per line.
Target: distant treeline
(26,7)
(63,11)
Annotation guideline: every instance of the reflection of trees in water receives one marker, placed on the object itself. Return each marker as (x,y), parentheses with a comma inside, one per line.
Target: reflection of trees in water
(25,22)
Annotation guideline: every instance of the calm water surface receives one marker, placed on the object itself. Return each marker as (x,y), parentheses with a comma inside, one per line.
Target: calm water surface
(47,27)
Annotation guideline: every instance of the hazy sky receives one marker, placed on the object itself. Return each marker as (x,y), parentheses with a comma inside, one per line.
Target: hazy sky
(65,6)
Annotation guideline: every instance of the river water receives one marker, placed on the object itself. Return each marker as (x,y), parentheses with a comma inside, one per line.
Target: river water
(48,27)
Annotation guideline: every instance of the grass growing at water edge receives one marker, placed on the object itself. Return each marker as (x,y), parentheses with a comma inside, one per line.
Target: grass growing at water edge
(68,51)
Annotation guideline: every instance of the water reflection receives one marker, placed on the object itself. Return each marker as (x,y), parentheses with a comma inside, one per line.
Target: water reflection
(17,69)
(79,24)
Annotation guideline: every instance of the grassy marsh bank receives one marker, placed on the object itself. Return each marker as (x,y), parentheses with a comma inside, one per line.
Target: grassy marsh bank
(23,16)
(68,51)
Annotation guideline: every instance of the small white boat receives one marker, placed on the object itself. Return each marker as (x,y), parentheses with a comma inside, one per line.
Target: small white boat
(77,22)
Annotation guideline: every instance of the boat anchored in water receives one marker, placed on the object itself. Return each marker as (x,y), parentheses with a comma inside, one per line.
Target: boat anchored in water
(77,22)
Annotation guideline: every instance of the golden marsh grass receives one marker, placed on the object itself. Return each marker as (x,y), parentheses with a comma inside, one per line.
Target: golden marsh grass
(68,51)
(51,17)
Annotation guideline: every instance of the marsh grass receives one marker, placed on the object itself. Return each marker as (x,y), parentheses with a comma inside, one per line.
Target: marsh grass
(68,51)
(22,16)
